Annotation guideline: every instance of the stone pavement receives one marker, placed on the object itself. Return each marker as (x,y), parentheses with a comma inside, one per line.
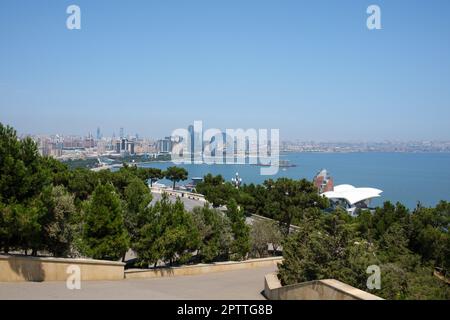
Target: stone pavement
(237,284)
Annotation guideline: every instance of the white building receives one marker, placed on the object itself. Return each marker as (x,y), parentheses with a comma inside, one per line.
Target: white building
(351,198)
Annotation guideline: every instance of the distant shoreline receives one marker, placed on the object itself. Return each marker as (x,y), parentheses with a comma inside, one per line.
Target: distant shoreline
(89,162)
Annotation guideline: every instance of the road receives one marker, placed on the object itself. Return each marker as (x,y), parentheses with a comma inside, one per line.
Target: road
(237,284)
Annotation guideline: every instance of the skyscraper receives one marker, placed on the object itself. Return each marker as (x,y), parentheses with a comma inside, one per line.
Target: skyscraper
(191,142)
(99,135)
(121,134)
(131,147)
(164,145)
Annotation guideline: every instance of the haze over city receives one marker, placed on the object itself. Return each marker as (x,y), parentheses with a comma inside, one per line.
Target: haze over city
(311,68)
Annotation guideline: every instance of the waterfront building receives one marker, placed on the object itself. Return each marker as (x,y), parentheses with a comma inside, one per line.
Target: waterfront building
(344,196)
(351,198)
(323,181)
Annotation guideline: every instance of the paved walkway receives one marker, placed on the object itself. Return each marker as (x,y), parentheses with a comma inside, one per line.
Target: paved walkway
(237,284)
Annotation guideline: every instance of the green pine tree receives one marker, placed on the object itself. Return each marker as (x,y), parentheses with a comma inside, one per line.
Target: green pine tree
(241,231)
(104,233)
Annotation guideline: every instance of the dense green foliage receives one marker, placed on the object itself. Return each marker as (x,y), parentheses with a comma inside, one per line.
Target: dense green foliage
(215,233)
(216,190)
(241,231)
(287,199)
(283,200)
(104,233)
(407,246)
(22,175)
(166,232)
(137,197)
(22,180)
(338,246)
(265,233)
(60,222)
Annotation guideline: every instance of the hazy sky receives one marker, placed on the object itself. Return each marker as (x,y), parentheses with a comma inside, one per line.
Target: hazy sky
(310,68)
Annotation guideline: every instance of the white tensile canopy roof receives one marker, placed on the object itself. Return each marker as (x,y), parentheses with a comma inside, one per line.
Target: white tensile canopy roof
(352,194)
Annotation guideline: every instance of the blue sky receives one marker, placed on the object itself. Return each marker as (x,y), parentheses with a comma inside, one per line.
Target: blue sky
(310,68)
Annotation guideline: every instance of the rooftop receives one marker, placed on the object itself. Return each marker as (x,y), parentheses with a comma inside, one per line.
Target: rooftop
(352,194)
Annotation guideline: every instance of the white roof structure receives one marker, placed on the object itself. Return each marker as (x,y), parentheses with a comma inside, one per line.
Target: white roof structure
(352,194)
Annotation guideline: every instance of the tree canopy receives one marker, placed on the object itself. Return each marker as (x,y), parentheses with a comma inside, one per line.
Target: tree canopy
(176,174)
(104,232)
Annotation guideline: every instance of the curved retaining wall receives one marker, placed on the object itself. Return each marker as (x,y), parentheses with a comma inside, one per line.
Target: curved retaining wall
(14,268)
(329,289)
(201,268)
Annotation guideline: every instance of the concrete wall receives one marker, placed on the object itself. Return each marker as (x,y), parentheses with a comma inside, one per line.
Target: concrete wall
(329,289)
(201,268)
(22,268)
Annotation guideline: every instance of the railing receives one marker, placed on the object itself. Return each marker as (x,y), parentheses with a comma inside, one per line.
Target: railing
(178,193)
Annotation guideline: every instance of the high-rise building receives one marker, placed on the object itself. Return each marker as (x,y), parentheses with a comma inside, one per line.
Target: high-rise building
(130,147)
(164,145)
(191,142)
(89,141)
(99,135)
(122,135)
(125,146)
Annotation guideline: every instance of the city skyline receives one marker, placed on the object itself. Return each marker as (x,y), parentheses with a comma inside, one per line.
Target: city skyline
(116,135)
(311,69)
(125,144)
